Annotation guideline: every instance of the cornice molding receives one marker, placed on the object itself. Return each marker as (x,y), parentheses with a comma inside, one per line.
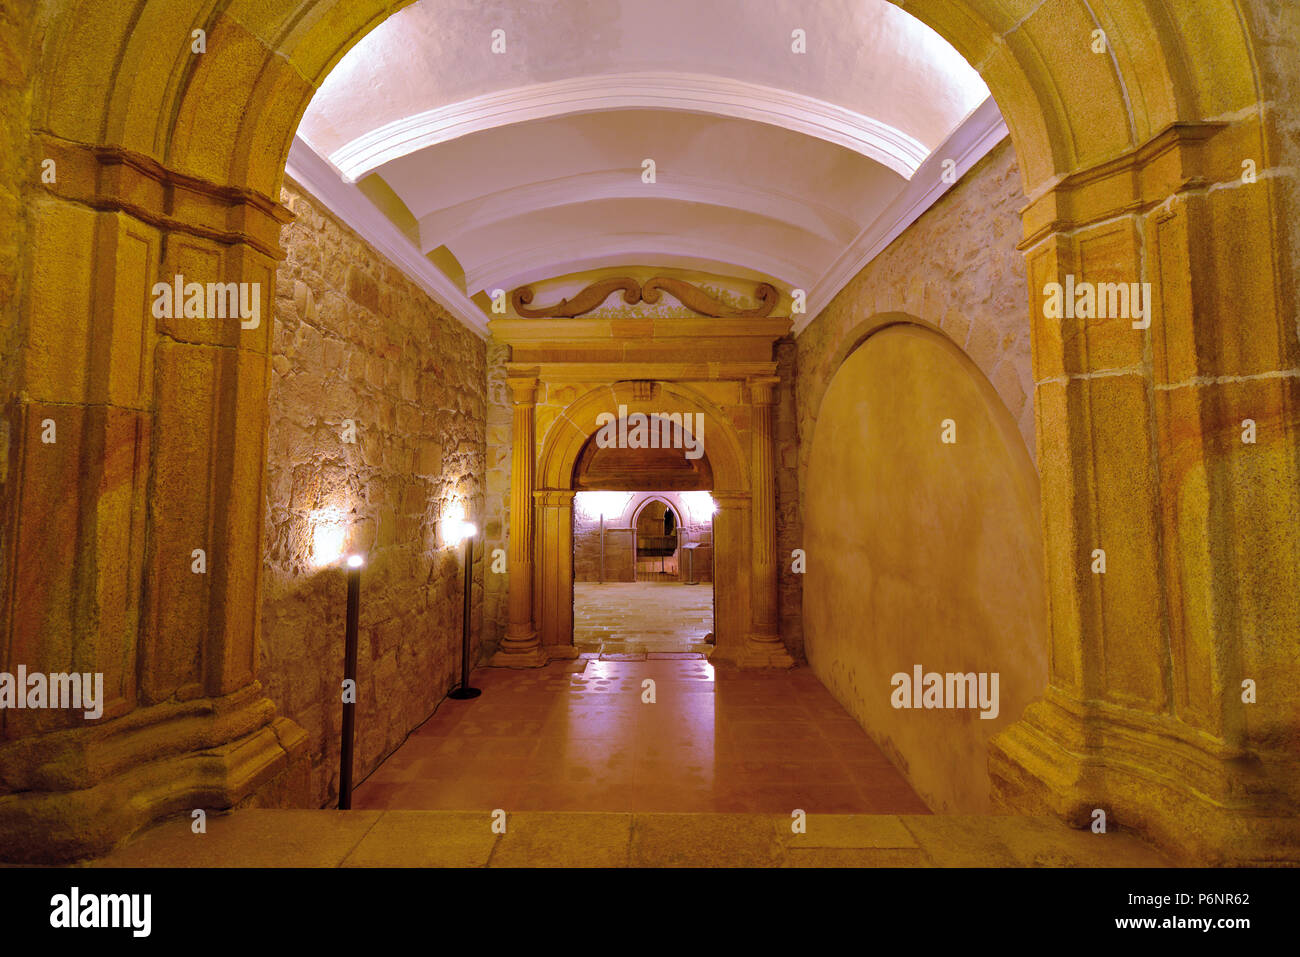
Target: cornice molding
(1172,161)
(547,331)
(657,370)
(694,93)
(115,179)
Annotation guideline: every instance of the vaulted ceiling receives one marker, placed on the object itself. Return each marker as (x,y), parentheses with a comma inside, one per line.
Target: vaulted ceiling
(479,170)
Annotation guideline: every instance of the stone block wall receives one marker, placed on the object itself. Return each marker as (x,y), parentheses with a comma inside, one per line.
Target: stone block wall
(496,505)
(18,167)
(357,345)
(789,526)
(956,268)
(620,542)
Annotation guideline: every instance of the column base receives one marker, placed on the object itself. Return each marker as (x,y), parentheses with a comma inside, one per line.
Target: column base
(521,659)
(764,653)
(560,652)
(1201,801)
(523,652)
(82,793)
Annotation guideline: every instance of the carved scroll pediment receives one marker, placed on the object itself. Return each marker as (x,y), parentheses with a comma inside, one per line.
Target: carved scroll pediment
(689,295)
(583,302)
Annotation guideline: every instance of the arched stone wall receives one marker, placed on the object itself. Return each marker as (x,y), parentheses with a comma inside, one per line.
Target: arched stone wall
(562,440)
(1132,157)
(922,552)
(636,516)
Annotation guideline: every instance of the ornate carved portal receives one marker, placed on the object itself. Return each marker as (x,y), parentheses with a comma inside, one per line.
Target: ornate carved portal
(719,376)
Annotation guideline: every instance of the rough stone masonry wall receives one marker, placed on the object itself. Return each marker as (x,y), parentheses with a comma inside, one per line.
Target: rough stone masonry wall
(789,526)
(496,506)
(956,268)
(355,339)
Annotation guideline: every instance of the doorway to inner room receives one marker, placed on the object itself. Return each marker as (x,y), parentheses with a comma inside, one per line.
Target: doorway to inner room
(643,572)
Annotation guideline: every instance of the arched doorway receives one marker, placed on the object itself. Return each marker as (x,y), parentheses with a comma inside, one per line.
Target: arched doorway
(642,552)
(657,530)
(708,493)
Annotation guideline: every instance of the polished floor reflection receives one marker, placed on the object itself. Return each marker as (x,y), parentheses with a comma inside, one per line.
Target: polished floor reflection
(578,736)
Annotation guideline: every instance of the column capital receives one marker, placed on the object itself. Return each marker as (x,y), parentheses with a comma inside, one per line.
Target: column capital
(762,389)
(730,499)
(523,389)
(553,498)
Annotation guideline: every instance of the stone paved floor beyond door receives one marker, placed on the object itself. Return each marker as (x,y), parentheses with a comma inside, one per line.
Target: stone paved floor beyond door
(638,617)
(576,736)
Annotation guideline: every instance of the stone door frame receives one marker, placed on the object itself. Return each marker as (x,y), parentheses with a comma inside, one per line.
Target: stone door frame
(730,458)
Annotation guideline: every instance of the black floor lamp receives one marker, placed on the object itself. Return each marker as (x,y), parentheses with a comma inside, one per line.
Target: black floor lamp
(467,531)
(350,674)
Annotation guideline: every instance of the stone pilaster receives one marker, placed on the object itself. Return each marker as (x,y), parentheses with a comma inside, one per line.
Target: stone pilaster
(731,570)
(554,598)
(139,553)
(763,647)
(1165,451)
(520,648)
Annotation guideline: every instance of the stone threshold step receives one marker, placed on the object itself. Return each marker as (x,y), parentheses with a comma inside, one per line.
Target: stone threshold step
(329,838)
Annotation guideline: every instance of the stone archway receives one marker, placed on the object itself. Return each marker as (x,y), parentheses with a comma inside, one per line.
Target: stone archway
(560,450)
(170,162)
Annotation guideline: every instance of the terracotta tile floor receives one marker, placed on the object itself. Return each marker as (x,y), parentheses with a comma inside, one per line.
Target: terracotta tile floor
(575,736)
(636,617)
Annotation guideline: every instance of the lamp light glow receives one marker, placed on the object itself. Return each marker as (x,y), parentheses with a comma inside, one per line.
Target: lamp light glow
(328,536)
(700,504)
(454,527)
(356,561)
(602,504)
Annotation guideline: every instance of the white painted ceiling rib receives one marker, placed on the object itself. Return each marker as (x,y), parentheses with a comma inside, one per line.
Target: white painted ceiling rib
(711,95)
(528,164)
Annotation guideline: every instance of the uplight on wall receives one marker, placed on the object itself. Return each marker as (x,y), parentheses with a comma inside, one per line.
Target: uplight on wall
(329,534)
(454,528)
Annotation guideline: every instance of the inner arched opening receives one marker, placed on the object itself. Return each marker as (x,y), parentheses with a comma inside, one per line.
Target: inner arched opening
(642,550)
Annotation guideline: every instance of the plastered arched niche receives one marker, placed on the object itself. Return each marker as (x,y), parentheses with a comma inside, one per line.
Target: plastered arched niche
(923,553)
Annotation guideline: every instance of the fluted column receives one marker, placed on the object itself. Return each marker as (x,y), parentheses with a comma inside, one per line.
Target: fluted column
(520,647)
(764,647)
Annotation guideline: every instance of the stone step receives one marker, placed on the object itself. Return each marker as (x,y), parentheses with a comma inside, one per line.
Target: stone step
(328,838)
